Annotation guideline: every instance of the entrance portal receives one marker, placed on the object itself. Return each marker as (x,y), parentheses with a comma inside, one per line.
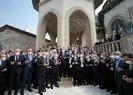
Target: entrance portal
(79,28)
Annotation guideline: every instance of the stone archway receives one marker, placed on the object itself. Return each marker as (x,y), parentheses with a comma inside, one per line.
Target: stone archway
(79,27)
(48,25)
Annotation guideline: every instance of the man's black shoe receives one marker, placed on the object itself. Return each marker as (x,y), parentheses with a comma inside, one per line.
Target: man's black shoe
(30,90)
(56,85)
(113,92)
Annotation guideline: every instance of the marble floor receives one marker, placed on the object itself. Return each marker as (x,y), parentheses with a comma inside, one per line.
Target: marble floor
(66,88)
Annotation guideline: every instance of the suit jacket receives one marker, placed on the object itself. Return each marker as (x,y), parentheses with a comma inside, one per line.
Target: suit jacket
(53,61)
(121,65)
(31,62)
(16,67)
(61,56)
(3,66)
(73,61)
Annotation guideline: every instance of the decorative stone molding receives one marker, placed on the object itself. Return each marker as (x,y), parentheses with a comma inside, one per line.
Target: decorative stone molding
(43,2)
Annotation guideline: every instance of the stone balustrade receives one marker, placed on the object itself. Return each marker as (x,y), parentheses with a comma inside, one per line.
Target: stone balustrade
(109,47)
(125,45)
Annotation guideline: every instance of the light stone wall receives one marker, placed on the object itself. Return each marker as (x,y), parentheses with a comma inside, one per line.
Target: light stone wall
(63,9)
(121,10)
(11,40)
(127,44)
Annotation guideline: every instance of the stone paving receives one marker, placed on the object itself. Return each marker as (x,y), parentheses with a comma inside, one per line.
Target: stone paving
(66,88)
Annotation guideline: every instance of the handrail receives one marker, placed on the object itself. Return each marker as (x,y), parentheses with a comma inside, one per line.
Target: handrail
(116,41)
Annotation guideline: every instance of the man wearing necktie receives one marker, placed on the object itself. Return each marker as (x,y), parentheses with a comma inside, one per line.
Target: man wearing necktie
(118,64)
(62,57)
(15,71)
(41,71)
(75,70)
(126,83)
(54,70)
(27,71)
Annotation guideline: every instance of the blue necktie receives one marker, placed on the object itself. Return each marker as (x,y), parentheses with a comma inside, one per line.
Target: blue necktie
(117,64)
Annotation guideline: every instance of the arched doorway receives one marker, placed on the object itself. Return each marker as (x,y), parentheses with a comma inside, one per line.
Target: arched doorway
(79,27)
(47,26)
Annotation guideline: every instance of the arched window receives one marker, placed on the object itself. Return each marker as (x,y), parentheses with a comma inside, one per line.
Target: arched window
(118,25)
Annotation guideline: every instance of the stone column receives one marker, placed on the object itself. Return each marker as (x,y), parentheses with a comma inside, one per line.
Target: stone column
(40,40)
(63,32)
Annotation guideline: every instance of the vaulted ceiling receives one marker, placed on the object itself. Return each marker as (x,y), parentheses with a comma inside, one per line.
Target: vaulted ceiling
(77,23)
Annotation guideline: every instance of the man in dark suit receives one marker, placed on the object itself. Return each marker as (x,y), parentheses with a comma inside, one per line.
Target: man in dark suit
(126,84)
(76,70)
(62,57)
(82,68)
(118,66)
(102,71)
(3,72)
(27,71)
(15,71)
(112,79)
(41,71)
(47,78)
(54,70)
(89,68)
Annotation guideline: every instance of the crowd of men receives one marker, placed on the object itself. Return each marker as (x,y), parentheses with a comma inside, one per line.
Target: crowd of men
(44,68)
(107,39)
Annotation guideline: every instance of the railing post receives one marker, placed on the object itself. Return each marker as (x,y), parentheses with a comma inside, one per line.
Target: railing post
(109,48)
(106,48)
(113,47)
(117,48)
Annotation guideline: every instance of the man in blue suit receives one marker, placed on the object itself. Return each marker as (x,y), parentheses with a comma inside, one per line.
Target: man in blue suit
(119,68)
(27,71)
